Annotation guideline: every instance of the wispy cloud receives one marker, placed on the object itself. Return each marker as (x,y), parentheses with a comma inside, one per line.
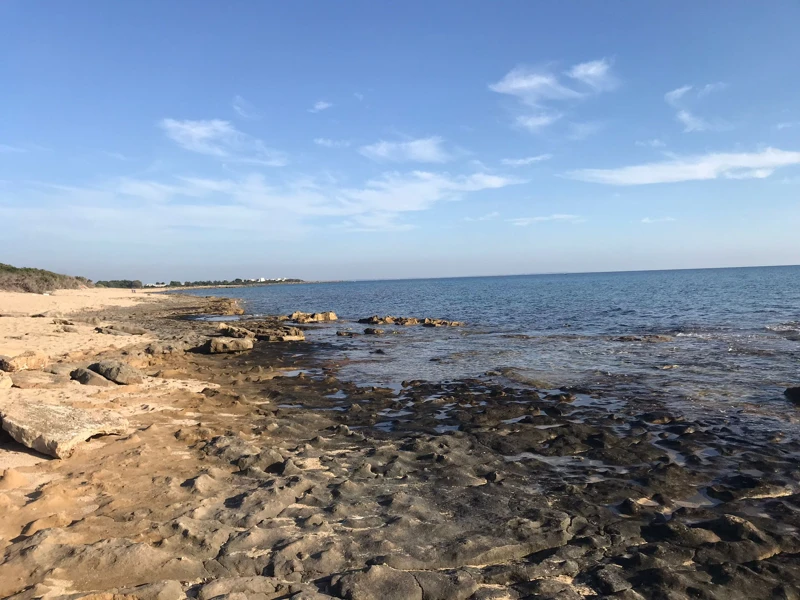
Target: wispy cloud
(487,217)
(654,143)
(221,139)
(535,123)
(680,99)
(250,203)
(581,131)
(329,143)
(650,220)
(525,221)
(358,96)
(543,89)
(425,150)
(787,125)
(692,122)
(319,106)
(528,160)
(534,87)
(596,74)
(5,148)
(742,165)
(244,109)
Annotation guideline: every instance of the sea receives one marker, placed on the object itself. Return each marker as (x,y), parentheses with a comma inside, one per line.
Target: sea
(708,340)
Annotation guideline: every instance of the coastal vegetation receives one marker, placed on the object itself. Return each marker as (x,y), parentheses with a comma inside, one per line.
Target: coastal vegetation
(25,279)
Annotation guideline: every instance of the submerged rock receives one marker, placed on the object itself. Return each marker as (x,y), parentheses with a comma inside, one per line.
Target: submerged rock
(118,372)
(57,430)
(373,331)
(793,394)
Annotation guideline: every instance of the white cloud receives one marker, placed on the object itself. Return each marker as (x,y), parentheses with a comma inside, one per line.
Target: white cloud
(529,160)
(654,143)
(487,217)
(536,122)
(787,125)
(649,220)
(596,74)
(753,165)
(221,139)
(427,150)
(542,89)
(329,143)
(319,106)
(525,221)
(358,96)
(244,109)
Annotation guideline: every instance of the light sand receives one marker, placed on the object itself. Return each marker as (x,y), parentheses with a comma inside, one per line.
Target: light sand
(21,332)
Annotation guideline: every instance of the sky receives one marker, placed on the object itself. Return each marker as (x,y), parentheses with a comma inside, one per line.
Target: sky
(361,139)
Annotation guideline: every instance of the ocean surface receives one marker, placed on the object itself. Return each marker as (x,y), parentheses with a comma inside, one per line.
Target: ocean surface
(709,339)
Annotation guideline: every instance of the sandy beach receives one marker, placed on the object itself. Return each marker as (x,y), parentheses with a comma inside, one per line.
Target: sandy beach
(149,456)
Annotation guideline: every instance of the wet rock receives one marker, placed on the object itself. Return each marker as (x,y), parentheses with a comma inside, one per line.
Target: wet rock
(610,579)
(118,372)
(224,345)
(341,333)
(57,430)
(793,394)
(379,582)
(27,360)
(27,380)
(373,331)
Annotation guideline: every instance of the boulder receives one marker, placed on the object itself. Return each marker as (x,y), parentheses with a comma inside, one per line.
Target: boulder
(110,331)
(57,430)
(373,331)
(235,332)
(27,360)
(118,372)
(280,334)
(793,394)
(28,380)
(223,345)
(301,317)
(87,377)
(5,381)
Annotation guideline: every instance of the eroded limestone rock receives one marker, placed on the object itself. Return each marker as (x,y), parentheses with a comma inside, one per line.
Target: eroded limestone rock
(57,430)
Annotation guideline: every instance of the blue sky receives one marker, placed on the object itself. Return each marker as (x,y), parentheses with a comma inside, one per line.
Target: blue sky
(188,140)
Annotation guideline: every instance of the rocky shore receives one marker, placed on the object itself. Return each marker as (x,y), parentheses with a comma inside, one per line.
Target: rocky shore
(230,461)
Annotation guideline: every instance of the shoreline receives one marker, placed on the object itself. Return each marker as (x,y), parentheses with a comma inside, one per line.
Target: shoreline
(261,473)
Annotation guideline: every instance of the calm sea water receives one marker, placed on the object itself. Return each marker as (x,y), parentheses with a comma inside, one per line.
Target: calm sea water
(734,334)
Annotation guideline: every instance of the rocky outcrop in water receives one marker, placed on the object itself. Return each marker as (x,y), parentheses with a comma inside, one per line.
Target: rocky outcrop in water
(407,321)
(323,317)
